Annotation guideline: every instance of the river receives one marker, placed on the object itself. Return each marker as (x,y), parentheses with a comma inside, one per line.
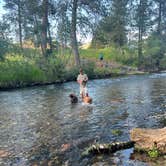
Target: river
(39,125)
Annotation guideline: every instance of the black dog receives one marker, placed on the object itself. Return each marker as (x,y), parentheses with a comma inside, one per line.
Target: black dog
(73,98)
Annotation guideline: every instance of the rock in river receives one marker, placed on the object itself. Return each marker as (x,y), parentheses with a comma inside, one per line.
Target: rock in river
(146,139)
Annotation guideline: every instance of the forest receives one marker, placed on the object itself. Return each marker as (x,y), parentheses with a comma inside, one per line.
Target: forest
(45,41)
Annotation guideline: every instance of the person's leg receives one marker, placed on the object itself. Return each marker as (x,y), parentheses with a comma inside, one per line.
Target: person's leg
(86,91)
(81,92)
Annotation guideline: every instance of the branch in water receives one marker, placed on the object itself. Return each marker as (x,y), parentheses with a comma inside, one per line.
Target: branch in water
(107,148)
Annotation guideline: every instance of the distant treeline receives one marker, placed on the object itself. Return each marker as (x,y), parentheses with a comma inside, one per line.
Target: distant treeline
(48,25)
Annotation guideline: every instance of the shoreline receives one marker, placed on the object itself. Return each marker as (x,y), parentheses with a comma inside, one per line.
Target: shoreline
(110,75)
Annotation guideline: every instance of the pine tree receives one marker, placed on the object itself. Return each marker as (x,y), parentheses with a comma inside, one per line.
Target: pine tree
(15,14)
(112,28)
(142,23)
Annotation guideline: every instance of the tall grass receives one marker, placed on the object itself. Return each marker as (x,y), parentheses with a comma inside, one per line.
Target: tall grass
(19,71)
(124,55)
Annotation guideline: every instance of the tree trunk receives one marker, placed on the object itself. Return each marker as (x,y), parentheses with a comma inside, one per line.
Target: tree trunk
(50,38)
(44,27)
(159,19)
(20,24)
(140,32)
(37,33)
(140,47)
(73,34)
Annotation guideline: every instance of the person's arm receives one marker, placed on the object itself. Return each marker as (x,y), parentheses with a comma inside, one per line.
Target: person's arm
(79,80)
(86,77)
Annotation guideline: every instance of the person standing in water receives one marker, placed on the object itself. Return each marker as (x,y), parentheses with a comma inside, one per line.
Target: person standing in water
(82,80)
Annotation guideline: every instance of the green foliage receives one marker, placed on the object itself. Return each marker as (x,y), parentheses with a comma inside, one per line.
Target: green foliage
(55,69)
(111,29)
(101,72)
(71,74)
(153,153)
(18,71)
(154,54)
(122,55)
(4,47)
(88,68)
(117,132)
(163,63)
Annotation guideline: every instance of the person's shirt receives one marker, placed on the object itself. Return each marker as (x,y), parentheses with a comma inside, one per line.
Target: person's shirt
(101,57)
(82,79)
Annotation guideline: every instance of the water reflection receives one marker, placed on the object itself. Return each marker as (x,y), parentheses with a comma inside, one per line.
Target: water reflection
(39,125)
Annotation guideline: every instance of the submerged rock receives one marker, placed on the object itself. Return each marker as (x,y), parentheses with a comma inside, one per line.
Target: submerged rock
(147,139)
(4,153)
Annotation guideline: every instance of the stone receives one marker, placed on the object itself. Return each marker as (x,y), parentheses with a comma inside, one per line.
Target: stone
(147,139)
(4,153)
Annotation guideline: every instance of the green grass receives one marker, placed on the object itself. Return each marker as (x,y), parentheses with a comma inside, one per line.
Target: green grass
(117,132)
(17,70)
(20,68)
(153,153)
(124,55)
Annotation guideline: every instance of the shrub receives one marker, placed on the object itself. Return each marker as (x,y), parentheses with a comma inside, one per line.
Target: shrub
(19,71)
(4,46)
(153,153)
(162,65)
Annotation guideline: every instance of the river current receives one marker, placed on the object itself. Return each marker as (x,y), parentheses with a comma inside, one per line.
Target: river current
(39,125)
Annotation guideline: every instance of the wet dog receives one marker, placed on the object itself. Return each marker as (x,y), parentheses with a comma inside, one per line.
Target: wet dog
(73,98)
(87,99)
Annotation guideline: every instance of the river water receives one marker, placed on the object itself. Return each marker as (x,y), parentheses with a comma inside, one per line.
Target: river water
(39,126)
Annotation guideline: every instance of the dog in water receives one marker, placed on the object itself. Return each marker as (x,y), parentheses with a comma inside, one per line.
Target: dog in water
(73,98)
(86,99)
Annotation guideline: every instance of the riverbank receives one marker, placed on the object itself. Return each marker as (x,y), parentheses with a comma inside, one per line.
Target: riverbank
(101,75)
(18,71)
(28,67)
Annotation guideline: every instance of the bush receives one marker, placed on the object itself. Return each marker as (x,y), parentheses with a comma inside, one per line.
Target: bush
(71,74)
(88,68)
(153,153)
(18,71)
(162,65)
(101,72)
(4,46)
(53,67)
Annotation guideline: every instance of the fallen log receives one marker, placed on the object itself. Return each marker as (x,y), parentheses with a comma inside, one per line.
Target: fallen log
(147,139)
(107,148)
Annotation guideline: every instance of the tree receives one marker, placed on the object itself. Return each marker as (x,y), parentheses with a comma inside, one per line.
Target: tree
(16,8)
(44,27)
(160,14)
(142,22)
(73,32)
(82,13)
(4,29)
(37,15)
(112,28)
(64,30)
(4,37)
(119,21)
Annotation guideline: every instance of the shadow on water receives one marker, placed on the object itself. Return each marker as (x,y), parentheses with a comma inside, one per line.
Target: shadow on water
(40,126)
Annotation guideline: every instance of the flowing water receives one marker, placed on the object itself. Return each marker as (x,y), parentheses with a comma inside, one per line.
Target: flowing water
(39,126)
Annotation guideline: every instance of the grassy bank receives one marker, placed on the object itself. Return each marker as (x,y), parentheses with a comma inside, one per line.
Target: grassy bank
(123,56)
(29,67)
